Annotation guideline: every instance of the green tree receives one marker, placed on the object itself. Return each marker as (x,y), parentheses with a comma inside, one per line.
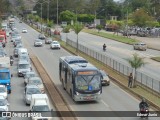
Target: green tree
(67,16)
(49,23)
(77,27)
(99,27)
(140,17)
(66,30)
(135,62)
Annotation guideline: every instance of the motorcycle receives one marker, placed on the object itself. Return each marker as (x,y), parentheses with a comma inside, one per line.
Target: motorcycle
(104,48)
(145,112)
(11,61)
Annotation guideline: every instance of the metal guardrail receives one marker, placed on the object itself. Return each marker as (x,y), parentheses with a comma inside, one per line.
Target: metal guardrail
(142,78)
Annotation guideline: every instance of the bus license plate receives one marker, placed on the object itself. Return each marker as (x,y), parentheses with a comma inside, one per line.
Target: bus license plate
(88,98)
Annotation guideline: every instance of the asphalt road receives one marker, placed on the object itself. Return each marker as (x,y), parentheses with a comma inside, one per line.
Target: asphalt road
(113,98)
(15,99)
(118,51)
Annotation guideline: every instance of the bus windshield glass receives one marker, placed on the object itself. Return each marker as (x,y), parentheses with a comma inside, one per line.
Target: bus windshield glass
(4,75)
(88,82)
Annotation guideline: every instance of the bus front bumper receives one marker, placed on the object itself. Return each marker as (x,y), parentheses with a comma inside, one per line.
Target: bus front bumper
(87,97)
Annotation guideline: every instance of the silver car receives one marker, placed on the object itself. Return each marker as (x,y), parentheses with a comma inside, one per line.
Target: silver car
(29,90)
(23,67)
(140,46)
(38,42)
(28,75)
(36,81)
(48,40)
(104,78)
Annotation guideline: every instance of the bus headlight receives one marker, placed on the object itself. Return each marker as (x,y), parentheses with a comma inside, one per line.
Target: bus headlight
(7,84)
(77,93)
(98,92)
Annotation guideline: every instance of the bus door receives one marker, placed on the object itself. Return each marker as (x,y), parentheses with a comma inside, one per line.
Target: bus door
(69,80)
(65,78)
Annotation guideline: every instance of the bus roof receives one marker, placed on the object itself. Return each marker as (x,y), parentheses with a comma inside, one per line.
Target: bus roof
(82,67)
(74,59)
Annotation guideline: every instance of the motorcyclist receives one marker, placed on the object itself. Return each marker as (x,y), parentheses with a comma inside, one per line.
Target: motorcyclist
(143,104)
(104,46)
(11,60)
(11,57)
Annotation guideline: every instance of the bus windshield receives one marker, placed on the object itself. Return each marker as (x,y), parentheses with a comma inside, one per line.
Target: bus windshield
(4,76)
(88,82)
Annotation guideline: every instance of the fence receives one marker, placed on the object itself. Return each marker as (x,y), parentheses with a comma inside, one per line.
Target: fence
(118,66)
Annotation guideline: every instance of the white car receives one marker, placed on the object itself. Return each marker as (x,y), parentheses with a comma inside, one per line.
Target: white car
(55,45)
(38,42)
(4,103)
(3,91)
(24,30)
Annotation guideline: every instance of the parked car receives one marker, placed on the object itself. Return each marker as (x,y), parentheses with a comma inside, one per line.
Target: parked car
(38,43)
(41,36)
(23,67)
(3,91)
(24,30)
(105,79)
(36,81)
(55,45)
(29,91)
(140,46)
(48,40)
(4,103)
(28,75)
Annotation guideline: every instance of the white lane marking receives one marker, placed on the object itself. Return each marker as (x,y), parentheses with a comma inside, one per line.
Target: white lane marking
(105,104)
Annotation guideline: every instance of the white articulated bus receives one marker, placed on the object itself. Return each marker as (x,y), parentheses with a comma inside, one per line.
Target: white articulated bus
(80,79)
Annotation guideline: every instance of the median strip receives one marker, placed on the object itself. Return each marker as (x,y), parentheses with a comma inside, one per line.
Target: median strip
(54,94)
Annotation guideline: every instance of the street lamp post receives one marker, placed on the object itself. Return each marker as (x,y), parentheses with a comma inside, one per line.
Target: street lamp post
(96,15)
(41,17)
(41,3)
(57,12)
(48,11)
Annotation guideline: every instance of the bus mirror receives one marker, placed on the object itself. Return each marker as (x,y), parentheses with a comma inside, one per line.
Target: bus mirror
(11,75)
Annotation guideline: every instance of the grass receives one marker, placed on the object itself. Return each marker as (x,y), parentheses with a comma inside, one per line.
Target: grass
(111,36)
(156,59)
(121,78)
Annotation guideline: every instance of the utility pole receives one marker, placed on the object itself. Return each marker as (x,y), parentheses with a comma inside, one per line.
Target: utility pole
(41,17)
(57,12)
(48,11)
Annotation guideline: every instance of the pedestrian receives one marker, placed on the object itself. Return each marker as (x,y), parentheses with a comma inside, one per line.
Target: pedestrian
(130,79)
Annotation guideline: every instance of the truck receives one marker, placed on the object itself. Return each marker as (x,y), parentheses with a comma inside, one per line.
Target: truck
(40,103)
(4,26)
(3,37)
(5,73)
